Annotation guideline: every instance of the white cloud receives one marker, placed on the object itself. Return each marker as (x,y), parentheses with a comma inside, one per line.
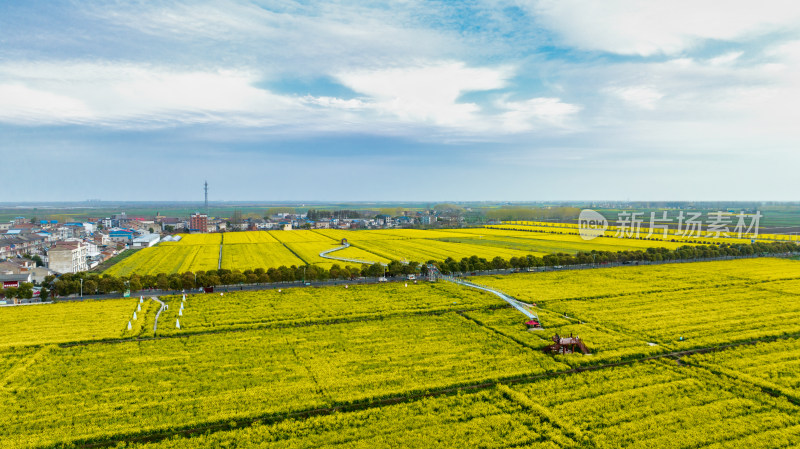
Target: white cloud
(431,94)
(640,96)
(536,113)
(131,95)
(423,100)
(660,27)
(337,103)
(23,105)
(426,93)
(726,59)
(700,105)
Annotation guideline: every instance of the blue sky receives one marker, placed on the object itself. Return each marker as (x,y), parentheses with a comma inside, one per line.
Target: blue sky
(409,100)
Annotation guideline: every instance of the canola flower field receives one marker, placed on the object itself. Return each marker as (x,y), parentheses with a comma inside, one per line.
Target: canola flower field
(702,232)
(39,324)
(292,307)
(170,258)
(272,249)
(709,354)
(245,256)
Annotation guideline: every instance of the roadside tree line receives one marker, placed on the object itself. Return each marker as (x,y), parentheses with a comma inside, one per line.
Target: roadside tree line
(688,252)
(94,283)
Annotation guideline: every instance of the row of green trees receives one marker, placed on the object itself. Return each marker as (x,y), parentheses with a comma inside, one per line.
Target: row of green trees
(24,291)
(93,283)
(688,252)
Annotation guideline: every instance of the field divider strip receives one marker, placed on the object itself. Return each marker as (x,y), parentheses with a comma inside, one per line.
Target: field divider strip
(320,390)
(316,231)
(367,250)
(23,365)
(763,385)
(709,372)
(465,315)
(295,254)
(378,253)
(221,244)
(569,431)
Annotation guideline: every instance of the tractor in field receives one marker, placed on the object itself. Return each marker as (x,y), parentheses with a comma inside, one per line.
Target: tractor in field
(566,345)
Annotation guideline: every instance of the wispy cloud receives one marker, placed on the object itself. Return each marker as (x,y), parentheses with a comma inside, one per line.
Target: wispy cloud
(646,28)
(130,95)
(134,96)
(644,97)
(537,113)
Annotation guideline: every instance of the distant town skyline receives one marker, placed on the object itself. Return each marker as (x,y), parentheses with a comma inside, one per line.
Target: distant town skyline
(408,101)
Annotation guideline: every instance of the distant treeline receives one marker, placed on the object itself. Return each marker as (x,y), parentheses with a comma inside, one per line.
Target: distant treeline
(533,214)
(317,214)
(98,284)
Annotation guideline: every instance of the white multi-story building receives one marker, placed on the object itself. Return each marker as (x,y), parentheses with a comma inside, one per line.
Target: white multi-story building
(68,257)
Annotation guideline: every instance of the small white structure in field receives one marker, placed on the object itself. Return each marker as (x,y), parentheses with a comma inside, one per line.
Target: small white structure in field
(279,290)
(129,325)
(139,308)
(345,285)
(222,294)
(134,316)
(177,324)
(184,297)
(141,299)
(406,284)
(180,312)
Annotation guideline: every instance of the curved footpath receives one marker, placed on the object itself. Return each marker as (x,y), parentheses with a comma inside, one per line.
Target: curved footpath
(161,309)
(515,303)
(325,255)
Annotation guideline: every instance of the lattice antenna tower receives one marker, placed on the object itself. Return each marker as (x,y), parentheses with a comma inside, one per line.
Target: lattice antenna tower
(205,188)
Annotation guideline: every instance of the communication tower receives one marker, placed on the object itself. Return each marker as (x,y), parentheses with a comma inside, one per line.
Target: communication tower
(205,188)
